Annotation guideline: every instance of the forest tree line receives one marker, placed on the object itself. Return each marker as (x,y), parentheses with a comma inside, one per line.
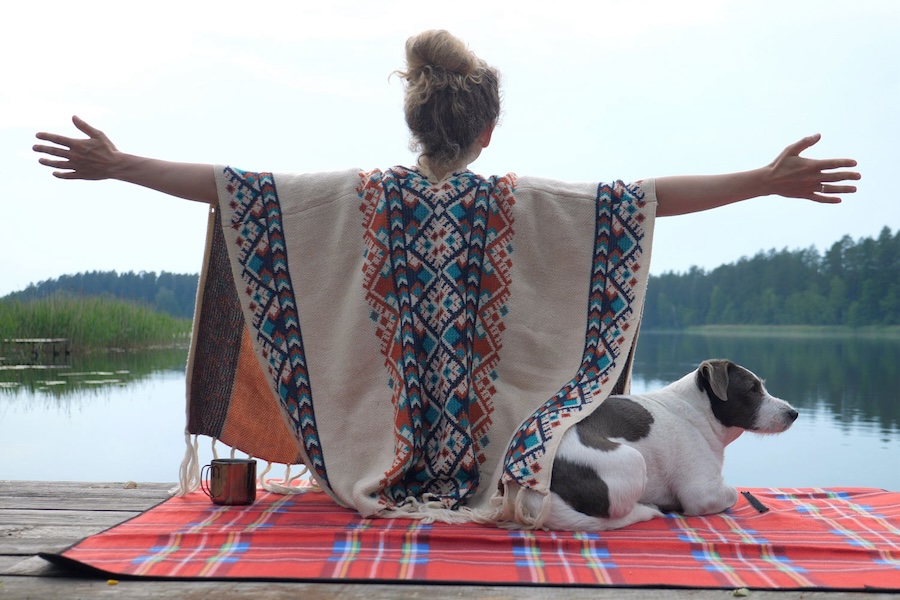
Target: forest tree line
(854,283)
(169,293)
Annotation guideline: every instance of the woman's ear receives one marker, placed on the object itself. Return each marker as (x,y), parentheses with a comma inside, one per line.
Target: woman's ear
(485,138)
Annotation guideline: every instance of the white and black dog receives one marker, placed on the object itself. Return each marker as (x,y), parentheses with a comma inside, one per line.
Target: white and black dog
(635,456)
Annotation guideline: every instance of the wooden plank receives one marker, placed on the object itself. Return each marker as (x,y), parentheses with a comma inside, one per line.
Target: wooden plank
(12,487)
(12,520)
(27,532)
(81,496)
(30,566)
(55,587)
(29,516)
(24,547)
(38,516)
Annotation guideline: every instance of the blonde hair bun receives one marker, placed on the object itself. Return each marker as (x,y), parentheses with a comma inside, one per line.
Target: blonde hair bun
(451,96)
(439,48)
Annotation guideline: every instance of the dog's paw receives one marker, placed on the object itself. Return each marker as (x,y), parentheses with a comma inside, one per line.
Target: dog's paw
(731,497)
(711,501)
(650,511)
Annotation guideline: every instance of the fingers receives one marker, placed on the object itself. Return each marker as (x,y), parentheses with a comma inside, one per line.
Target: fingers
(51,150)
(56,164)
(62,140)
(834,163)
(67,175)
(83,126)
(800,145)
(837,189)
(823,194)
(840,176)
(54,138)
(820,198)
(833,183)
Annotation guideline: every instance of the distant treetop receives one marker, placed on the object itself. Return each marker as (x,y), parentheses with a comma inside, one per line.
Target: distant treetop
(170,293)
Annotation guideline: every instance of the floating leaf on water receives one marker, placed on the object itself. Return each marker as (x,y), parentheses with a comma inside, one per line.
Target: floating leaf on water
(88,373)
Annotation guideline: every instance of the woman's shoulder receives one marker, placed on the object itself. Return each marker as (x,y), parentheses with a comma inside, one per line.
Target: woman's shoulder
(641,189)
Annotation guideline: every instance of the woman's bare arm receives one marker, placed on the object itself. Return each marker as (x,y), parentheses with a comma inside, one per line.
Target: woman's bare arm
(789,175)
(96,157)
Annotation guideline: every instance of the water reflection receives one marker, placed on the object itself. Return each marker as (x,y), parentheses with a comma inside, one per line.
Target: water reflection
(115,417)
(81,375)
(854,379)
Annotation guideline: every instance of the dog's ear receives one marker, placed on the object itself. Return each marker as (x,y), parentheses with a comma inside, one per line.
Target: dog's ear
(715,373)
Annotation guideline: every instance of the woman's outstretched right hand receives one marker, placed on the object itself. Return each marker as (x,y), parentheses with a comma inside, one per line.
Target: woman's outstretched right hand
(96,157)
(79,158)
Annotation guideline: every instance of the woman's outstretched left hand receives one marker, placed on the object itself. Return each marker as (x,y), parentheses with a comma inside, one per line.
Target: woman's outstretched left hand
(812,179)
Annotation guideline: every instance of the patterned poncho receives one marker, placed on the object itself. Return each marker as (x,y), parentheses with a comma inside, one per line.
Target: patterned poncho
(420,346)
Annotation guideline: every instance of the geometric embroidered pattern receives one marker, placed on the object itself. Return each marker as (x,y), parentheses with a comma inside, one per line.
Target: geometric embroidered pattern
(262,254)
(617,258)
(437,275)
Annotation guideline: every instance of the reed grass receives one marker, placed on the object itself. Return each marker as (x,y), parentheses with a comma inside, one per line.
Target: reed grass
(91,322)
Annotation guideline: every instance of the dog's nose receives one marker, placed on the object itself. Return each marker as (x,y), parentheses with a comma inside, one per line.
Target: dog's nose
(792,415)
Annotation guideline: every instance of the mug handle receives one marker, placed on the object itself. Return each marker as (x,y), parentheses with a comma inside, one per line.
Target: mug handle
(204,480)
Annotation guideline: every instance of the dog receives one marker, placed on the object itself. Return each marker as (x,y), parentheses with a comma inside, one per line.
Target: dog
(636,457)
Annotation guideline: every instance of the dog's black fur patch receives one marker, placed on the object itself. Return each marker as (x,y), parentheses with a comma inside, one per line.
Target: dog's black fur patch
(616,417)
(741,405)
(671,508)
(580,487)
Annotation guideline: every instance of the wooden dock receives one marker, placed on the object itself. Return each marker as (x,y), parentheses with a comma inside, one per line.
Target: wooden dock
(40,516)
(35,351)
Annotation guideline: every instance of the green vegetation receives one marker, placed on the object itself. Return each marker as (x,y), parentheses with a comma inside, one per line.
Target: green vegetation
(91,322)
(852,288)
(853,284)
(796,331)
(170,293)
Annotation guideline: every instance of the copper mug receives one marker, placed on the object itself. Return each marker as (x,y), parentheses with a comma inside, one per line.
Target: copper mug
(230,481)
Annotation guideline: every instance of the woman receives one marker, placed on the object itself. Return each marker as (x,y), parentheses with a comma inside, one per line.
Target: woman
(422,337)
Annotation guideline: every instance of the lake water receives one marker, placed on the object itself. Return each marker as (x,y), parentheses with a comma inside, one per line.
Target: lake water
(120,417)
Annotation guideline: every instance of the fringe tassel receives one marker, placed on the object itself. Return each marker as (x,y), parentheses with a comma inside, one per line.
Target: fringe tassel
(189,472)
(286,485)
(507,511)
(516,506)
(429,510)
(523,514)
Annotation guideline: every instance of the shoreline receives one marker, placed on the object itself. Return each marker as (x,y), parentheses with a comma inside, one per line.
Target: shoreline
(887,332)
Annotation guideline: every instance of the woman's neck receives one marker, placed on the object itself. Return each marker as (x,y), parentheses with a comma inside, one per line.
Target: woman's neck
(436,174)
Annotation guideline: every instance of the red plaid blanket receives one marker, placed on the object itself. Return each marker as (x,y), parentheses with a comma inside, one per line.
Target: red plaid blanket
(808,538)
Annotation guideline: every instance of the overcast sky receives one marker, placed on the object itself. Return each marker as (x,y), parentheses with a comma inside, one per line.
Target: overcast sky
(598,90)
